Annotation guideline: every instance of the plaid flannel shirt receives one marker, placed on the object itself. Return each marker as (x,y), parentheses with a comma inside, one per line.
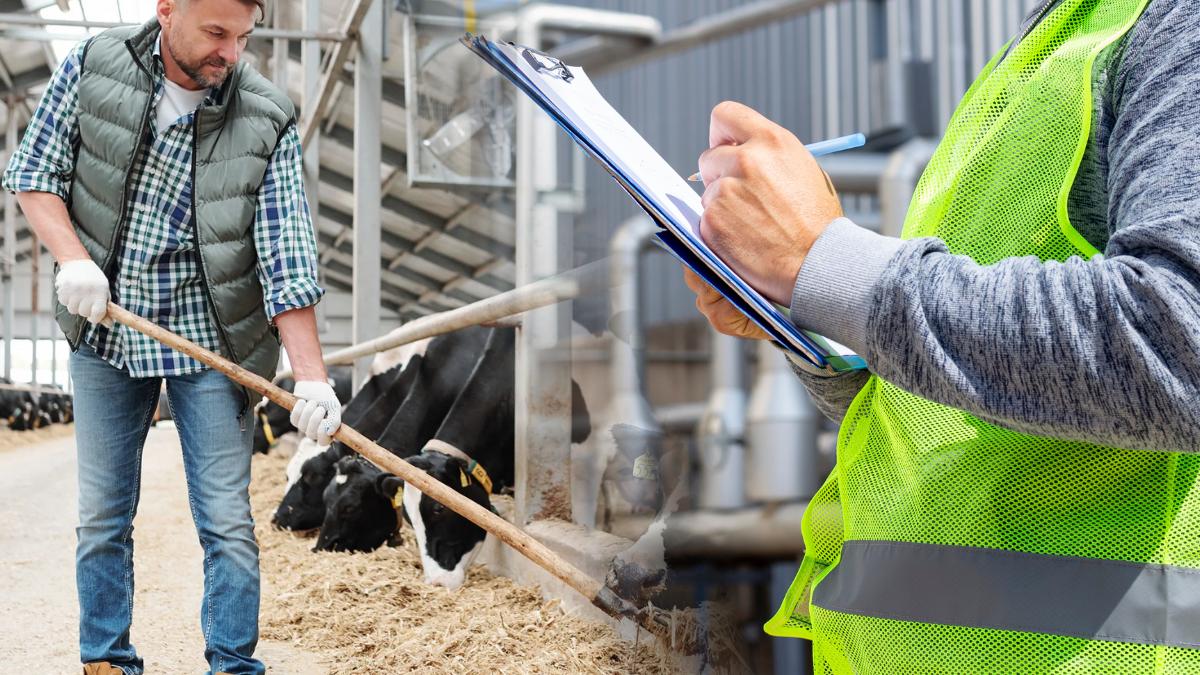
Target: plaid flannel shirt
(158,272)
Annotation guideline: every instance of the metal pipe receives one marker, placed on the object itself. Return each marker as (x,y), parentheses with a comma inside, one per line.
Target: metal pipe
(368,116)
(627,351)
(627,404)
(264,33)
(781,433)
(709,29)
(898,183)
(679,417)
(895,86)
(10,246)
(855,171)
(756,532)
(721,431)
(533,19)
(516,301)
(788,657)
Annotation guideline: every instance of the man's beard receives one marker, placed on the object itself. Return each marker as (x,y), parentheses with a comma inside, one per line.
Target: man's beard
(193,70)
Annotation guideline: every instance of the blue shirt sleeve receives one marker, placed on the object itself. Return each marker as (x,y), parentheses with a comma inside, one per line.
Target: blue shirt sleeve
(283,232)
(45,159)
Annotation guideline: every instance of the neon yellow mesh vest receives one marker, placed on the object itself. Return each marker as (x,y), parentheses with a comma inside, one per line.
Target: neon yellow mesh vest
(941,543)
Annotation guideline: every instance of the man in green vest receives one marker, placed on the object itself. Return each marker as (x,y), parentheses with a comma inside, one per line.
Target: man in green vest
(165,175)
(1017,488)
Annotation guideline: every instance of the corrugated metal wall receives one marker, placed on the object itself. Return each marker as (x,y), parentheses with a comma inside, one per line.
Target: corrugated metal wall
(853,65)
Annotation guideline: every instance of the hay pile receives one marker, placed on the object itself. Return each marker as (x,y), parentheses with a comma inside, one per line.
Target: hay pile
(19,439)
(372,613)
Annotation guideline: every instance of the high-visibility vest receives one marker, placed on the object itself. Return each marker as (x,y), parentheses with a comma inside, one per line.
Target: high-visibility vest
(942,543)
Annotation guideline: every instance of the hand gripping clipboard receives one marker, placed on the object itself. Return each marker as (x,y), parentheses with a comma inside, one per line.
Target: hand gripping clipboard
(567,95)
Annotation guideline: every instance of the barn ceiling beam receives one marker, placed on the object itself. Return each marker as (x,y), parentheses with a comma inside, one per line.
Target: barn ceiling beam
(423,218)
(450,265)
(339,245)
(342,283)
(483,274)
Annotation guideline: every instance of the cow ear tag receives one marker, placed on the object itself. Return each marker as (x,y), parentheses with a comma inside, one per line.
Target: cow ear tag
(398,498)
(645,468)
(463,477)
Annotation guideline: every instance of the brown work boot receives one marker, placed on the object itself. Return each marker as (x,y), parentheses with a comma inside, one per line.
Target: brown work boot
(101,668)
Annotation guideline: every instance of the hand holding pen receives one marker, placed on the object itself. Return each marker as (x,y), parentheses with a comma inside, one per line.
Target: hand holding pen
(766,201)
(819,149)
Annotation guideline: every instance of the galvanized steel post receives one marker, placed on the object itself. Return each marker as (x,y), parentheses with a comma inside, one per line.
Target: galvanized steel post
(368,115)
(10,245)
(310,63)
(279,50)
(543,367)
(544,247)
(899,182)
(627,402)
(781,433)
(721,432)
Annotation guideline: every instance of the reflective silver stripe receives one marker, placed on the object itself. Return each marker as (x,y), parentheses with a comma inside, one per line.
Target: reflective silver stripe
(1009,590)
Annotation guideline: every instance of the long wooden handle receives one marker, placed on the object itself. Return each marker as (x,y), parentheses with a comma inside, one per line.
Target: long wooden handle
(510,534)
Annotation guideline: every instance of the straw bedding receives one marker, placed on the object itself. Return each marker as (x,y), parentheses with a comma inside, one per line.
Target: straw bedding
(372,613)
(17,439)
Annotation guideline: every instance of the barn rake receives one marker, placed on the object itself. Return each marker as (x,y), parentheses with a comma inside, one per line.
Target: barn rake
(596,593)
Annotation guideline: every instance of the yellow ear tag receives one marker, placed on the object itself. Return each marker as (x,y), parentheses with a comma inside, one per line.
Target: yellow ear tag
(398,498)
(463,477)
(481,476)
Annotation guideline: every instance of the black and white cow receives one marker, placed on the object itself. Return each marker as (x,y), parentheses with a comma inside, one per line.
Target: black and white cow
(12,404)
(24,410)
(447,421)
(413,408)
(57,404)
(274,420)
(312,466)
(474,430)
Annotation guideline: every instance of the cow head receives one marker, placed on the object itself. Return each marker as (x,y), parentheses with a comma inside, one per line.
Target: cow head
(633,470)
(303,504)
(358,517)
(273,421)
(448,542)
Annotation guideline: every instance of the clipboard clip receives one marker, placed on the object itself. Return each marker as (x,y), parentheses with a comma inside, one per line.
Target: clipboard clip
(544,63)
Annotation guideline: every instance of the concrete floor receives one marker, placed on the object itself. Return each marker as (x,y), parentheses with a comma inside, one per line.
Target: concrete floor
(38,610)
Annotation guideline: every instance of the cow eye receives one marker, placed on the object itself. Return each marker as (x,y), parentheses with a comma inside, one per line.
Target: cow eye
(437,509)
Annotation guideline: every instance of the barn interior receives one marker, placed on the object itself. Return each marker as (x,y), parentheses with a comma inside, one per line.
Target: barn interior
(435,186)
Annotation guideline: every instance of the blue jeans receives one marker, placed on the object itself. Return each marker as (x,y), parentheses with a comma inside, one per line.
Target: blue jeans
(112,417)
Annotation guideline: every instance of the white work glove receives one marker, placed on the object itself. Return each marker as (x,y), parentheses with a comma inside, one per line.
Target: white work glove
(83,289)
(318,413)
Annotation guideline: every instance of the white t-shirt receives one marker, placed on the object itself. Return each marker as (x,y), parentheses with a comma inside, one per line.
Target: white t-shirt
(175,103)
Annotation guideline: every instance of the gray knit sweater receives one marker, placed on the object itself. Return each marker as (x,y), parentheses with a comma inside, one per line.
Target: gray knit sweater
(1105,350)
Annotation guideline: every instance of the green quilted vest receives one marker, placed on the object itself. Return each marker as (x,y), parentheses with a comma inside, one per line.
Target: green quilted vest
(232,144)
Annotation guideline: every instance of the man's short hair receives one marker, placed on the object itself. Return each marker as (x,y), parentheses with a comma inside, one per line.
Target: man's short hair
(262,8)
(260,4)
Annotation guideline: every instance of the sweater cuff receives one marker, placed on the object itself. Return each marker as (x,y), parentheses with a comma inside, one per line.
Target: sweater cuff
(834,289)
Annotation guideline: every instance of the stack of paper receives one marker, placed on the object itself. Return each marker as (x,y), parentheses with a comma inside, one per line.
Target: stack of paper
(568,96)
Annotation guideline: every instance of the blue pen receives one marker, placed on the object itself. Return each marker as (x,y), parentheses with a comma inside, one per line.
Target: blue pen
(822,148)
